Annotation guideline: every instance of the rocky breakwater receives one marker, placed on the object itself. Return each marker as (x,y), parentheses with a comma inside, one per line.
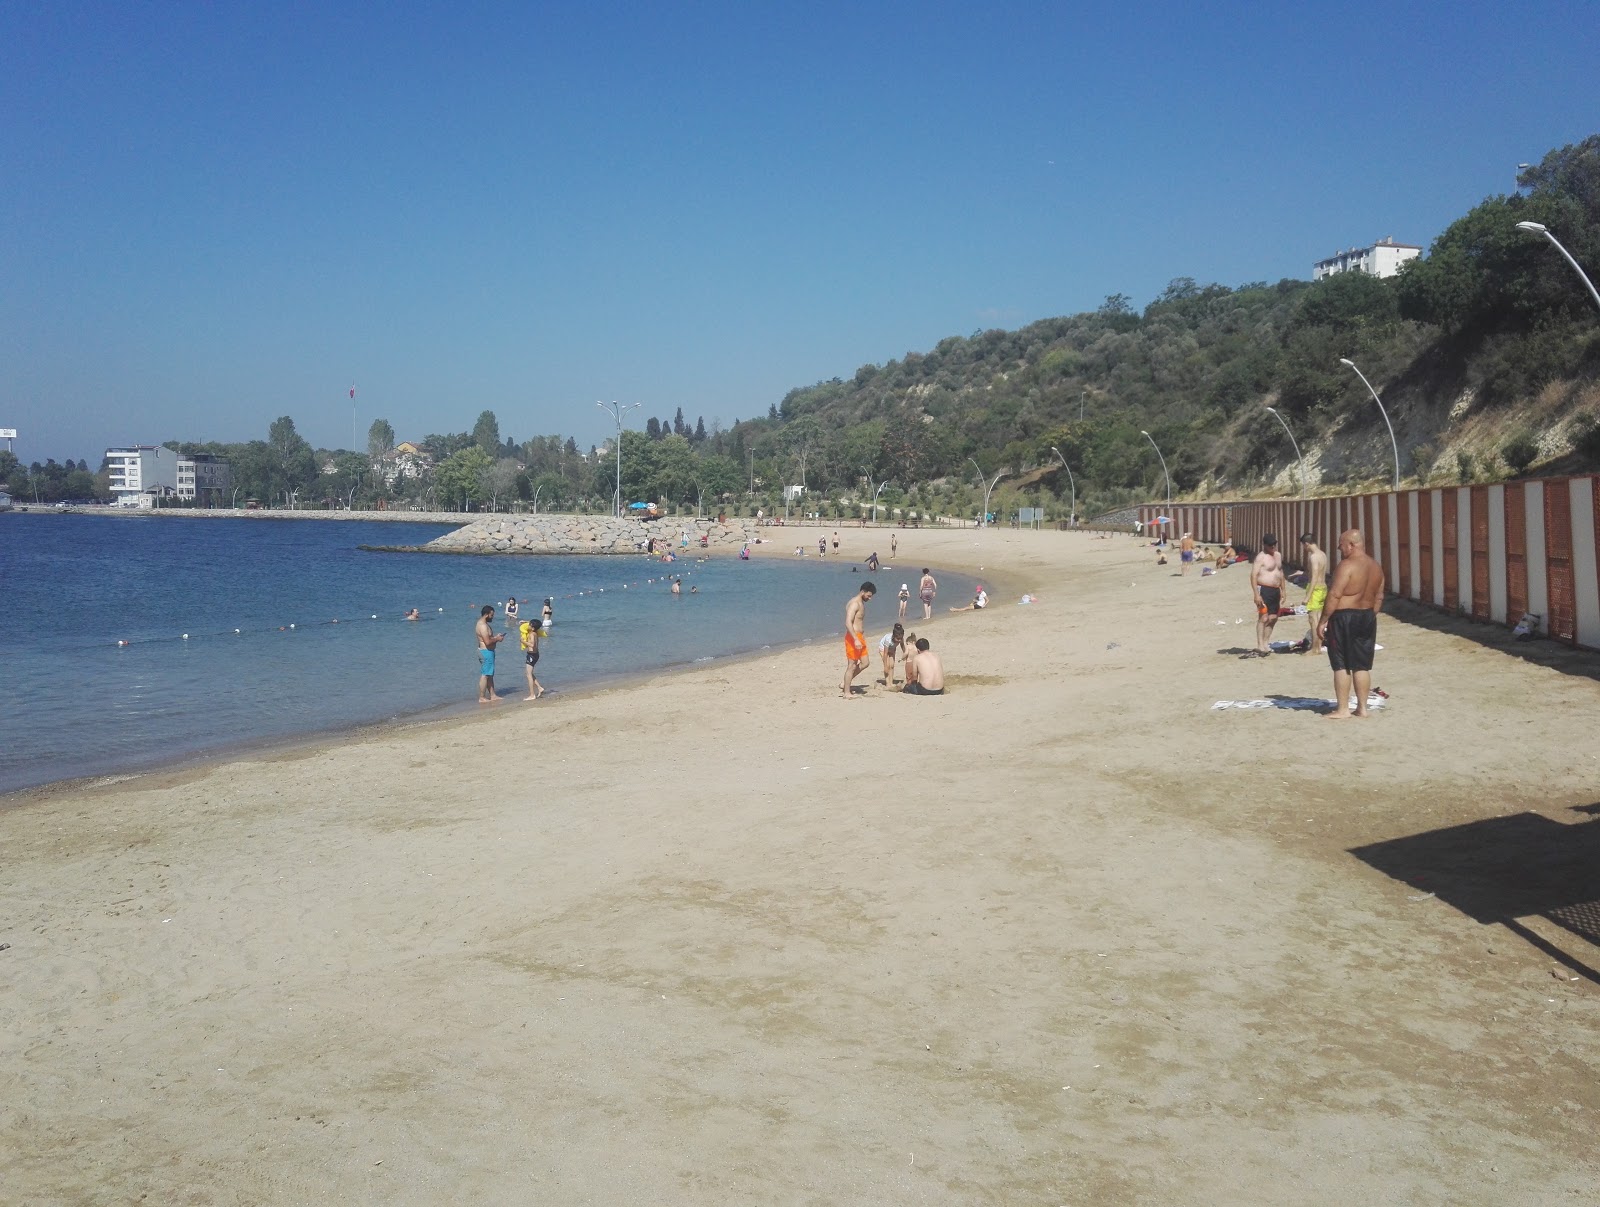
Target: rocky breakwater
(584,534)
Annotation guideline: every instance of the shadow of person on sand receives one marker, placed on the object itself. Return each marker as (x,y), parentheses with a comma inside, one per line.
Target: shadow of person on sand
(1505,870)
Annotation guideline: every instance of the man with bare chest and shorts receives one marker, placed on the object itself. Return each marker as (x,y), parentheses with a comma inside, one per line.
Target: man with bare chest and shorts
(1316,563)
(1266,588)
(1350,623)
(855,641)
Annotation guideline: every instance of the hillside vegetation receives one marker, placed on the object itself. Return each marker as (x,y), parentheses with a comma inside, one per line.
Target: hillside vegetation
(1486,352)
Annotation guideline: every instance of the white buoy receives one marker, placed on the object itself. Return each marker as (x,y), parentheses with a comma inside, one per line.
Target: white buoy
(186,637)
(291,626)
(236,630)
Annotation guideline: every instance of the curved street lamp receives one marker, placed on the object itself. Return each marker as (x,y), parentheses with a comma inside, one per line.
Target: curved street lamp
(616,413)
(988,489)
(1164,472)
(1295,445)
(1539,228)
(1395,444)
(875,495)
(1071,480)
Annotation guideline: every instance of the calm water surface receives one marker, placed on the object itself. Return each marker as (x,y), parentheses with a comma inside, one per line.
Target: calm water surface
(72,586)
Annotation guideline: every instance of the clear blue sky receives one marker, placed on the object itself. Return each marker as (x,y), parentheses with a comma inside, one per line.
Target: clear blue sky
(215,214)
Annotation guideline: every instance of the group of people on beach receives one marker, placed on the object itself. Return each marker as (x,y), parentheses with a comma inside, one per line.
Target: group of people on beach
(923,669)
(528,633)
(1341,613)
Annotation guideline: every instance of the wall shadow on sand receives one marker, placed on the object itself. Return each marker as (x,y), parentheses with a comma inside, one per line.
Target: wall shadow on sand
(1507,869)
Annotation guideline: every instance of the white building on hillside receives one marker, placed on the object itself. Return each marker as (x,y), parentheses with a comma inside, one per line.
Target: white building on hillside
(1382,259)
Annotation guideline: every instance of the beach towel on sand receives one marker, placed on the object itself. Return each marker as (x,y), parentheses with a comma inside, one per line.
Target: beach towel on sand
(1297,702)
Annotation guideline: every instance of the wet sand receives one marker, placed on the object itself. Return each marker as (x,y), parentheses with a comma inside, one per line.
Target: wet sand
(1065,935)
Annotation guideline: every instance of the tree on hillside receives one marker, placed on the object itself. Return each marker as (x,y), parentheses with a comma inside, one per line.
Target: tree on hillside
(460,477)
(652,428)
(699,436)
(500,481)
(380,439)
(678,428)
(293,460)
(486,433)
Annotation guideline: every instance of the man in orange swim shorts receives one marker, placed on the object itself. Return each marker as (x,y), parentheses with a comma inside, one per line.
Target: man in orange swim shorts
(855,641)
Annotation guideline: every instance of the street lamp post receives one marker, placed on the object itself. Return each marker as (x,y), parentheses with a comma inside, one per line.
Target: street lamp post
(616,413)
(1071,481)
(1395,444)
(1294,444)
(875,495)
(1539,228)
(988,489)
(1163,461)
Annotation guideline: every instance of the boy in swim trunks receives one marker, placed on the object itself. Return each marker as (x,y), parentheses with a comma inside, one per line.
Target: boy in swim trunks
(1316,564)
(890,644)
(529,631)
(855,642)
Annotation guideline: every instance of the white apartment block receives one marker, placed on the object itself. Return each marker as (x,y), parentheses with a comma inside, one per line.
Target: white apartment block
(142,473)
(1382,259)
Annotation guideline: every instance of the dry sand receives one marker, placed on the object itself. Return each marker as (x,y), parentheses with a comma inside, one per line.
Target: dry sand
(1063,936)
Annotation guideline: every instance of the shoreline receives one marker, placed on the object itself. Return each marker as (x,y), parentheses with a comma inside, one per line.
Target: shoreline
(443,714)
(893,949)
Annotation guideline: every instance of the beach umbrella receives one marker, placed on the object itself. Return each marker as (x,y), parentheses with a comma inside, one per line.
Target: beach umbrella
(637,506)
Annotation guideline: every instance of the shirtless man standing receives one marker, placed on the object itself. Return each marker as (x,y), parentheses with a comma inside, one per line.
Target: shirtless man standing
(929,673)
(1266,588)
(855,641)
(926,590)
(1316,564)
(1350,623)
(487,640)
(1186,551)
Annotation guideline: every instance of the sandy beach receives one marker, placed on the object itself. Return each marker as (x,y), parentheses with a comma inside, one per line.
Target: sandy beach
(1066,935)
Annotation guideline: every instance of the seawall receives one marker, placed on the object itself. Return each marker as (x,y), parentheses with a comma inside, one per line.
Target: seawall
(556,533)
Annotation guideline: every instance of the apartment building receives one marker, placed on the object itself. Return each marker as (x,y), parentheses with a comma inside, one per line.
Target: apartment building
(142,473)
(1382,259)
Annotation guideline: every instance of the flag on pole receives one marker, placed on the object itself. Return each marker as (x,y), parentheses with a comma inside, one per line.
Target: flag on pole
(352,392)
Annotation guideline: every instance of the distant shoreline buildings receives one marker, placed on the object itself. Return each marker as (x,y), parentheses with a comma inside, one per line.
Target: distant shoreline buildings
(142,473)
(1382,259)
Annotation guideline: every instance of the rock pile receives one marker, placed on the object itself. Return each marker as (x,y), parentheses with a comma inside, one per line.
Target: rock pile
(554,533)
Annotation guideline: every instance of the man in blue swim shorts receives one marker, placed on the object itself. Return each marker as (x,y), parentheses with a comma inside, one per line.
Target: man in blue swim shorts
(487,640)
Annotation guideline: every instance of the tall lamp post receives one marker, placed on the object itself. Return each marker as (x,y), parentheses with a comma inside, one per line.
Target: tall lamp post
(988,488)
(1293,443)
(616,413)
(1539,228)
(875,495)
(1163,461)
(1071,481)
(1393,443)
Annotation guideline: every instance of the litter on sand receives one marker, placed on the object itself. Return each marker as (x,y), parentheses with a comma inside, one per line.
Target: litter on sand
(1298,703)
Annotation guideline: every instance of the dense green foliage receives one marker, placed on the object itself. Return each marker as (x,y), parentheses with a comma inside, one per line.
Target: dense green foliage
(1490,316)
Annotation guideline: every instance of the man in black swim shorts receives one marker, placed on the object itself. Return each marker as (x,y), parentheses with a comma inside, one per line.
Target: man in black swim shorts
(1350,623)
(1266,588)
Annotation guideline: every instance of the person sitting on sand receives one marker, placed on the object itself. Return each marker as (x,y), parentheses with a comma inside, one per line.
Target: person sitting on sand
(928,679)
(979,602)
(1227,557)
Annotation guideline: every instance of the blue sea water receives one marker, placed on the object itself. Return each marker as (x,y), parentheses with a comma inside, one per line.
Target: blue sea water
(72,587)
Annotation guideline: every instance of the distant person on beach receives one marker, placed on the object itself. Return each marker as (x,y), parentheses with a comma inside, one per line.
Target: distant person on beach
(979,601)
(822,546)
(894,545)
(905,598)
(677,585)
(1350,623)
(872,562)
(487,640)
(836,541)
(1186,551)
(929,679)
(529,632)
(1316,564)
(547,614)
(891,644)
(413,615)
(926,590)
(855,641)
(511,609)
(1266,589)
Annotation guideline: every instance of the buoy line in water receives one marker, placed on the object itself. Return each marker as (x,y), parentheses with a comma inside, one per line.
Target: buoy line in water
(296,626)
